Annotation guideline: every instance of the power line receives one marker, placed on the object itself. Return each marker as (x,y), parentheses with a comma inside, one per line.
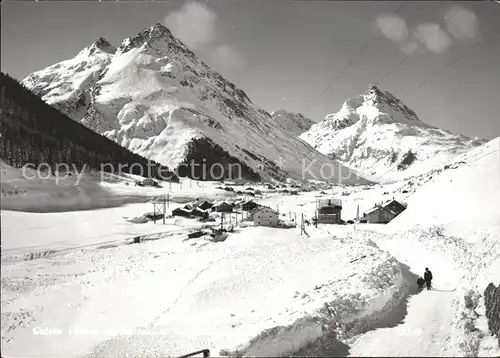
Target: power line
(436,74)
(409,54)
(336,78)
(430,78)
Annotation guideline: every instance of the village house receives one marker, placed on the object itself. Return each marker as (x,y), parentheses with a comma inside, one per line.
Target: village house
(384,213)
(148,182)
(249,205)
(188,212)
(205,205)
(198,212)
(223,207)
(265,216)
(329,211)
(379,215)
(394,206)
(181,212)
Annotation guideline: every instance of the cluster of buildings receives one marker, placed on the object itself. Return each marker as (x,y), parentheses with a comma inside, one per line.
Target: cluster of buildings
(249,210)
(198,209)
(329,211)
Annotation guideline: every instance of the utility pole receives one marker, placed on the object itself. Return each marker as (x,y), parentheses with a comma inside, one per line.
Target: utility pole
(158,208)
(164,210)
(154,213)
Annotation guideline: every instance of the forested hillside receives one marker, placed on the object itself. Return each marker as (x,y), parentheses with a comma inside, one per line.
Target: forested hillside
(34,132)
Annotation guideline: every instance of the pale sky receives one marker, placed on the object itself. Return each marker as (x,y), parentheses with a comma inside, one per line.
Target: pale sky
(441,58)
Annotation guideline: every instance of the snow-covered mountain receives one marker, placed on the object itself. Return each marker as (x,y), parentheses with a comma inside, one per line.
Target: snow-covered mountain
(155,97)
(377,134)
(294,123)
(65,85)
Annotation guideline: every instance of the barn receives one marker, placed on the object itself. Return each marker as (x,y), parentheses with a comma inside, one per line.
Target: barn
(379,215)
(394,206)
(384,212)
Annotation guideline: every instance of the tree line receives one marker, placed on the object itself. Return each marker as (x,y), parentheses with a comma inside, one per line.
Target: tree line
(33,132)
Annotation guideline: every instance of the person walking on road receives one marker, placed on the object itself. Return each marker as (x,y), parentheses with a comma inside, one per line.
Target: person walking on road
(428,278)
(420,283)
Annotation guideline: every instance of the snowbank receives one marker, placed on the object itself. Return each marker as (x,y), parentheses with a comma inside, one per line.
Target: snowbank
(191,296)
(462,197)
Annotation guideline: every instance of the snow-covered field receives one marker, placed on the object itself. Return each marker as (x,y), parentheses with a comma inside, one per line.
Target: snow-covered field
(187,295)
(340,290)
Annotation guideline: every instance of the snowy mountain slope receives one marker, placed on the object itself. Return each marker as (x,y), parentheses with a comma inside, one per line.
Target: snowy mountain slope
(65,85)
(380,136)
(155,97)
(452,226)
(469,188)
(294,123)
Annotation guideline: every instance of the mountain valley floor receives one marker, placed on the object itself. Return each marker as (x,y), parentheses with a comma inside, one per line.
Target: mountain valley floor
(73,284)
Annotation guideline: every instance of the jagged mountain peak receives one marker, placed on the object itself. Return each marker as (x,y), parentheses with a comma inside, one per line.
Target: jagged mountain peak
(373,101)
(104,45)
(155,97)
(379,135)
(373,92)
(101,45)
(381,98)
(159,41)
(68,81)
(374,88)
(157,31)
(149,35)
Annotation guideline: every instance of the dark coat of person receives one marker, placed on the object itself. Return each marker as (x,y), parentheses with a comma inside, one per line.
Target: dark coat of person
(428,278)
(420,282)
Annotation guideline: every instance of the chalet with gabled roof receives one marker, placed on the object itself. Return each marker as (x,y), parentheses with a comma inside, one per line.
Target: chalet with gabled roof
(223,207)
(384,213)
(265,216)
